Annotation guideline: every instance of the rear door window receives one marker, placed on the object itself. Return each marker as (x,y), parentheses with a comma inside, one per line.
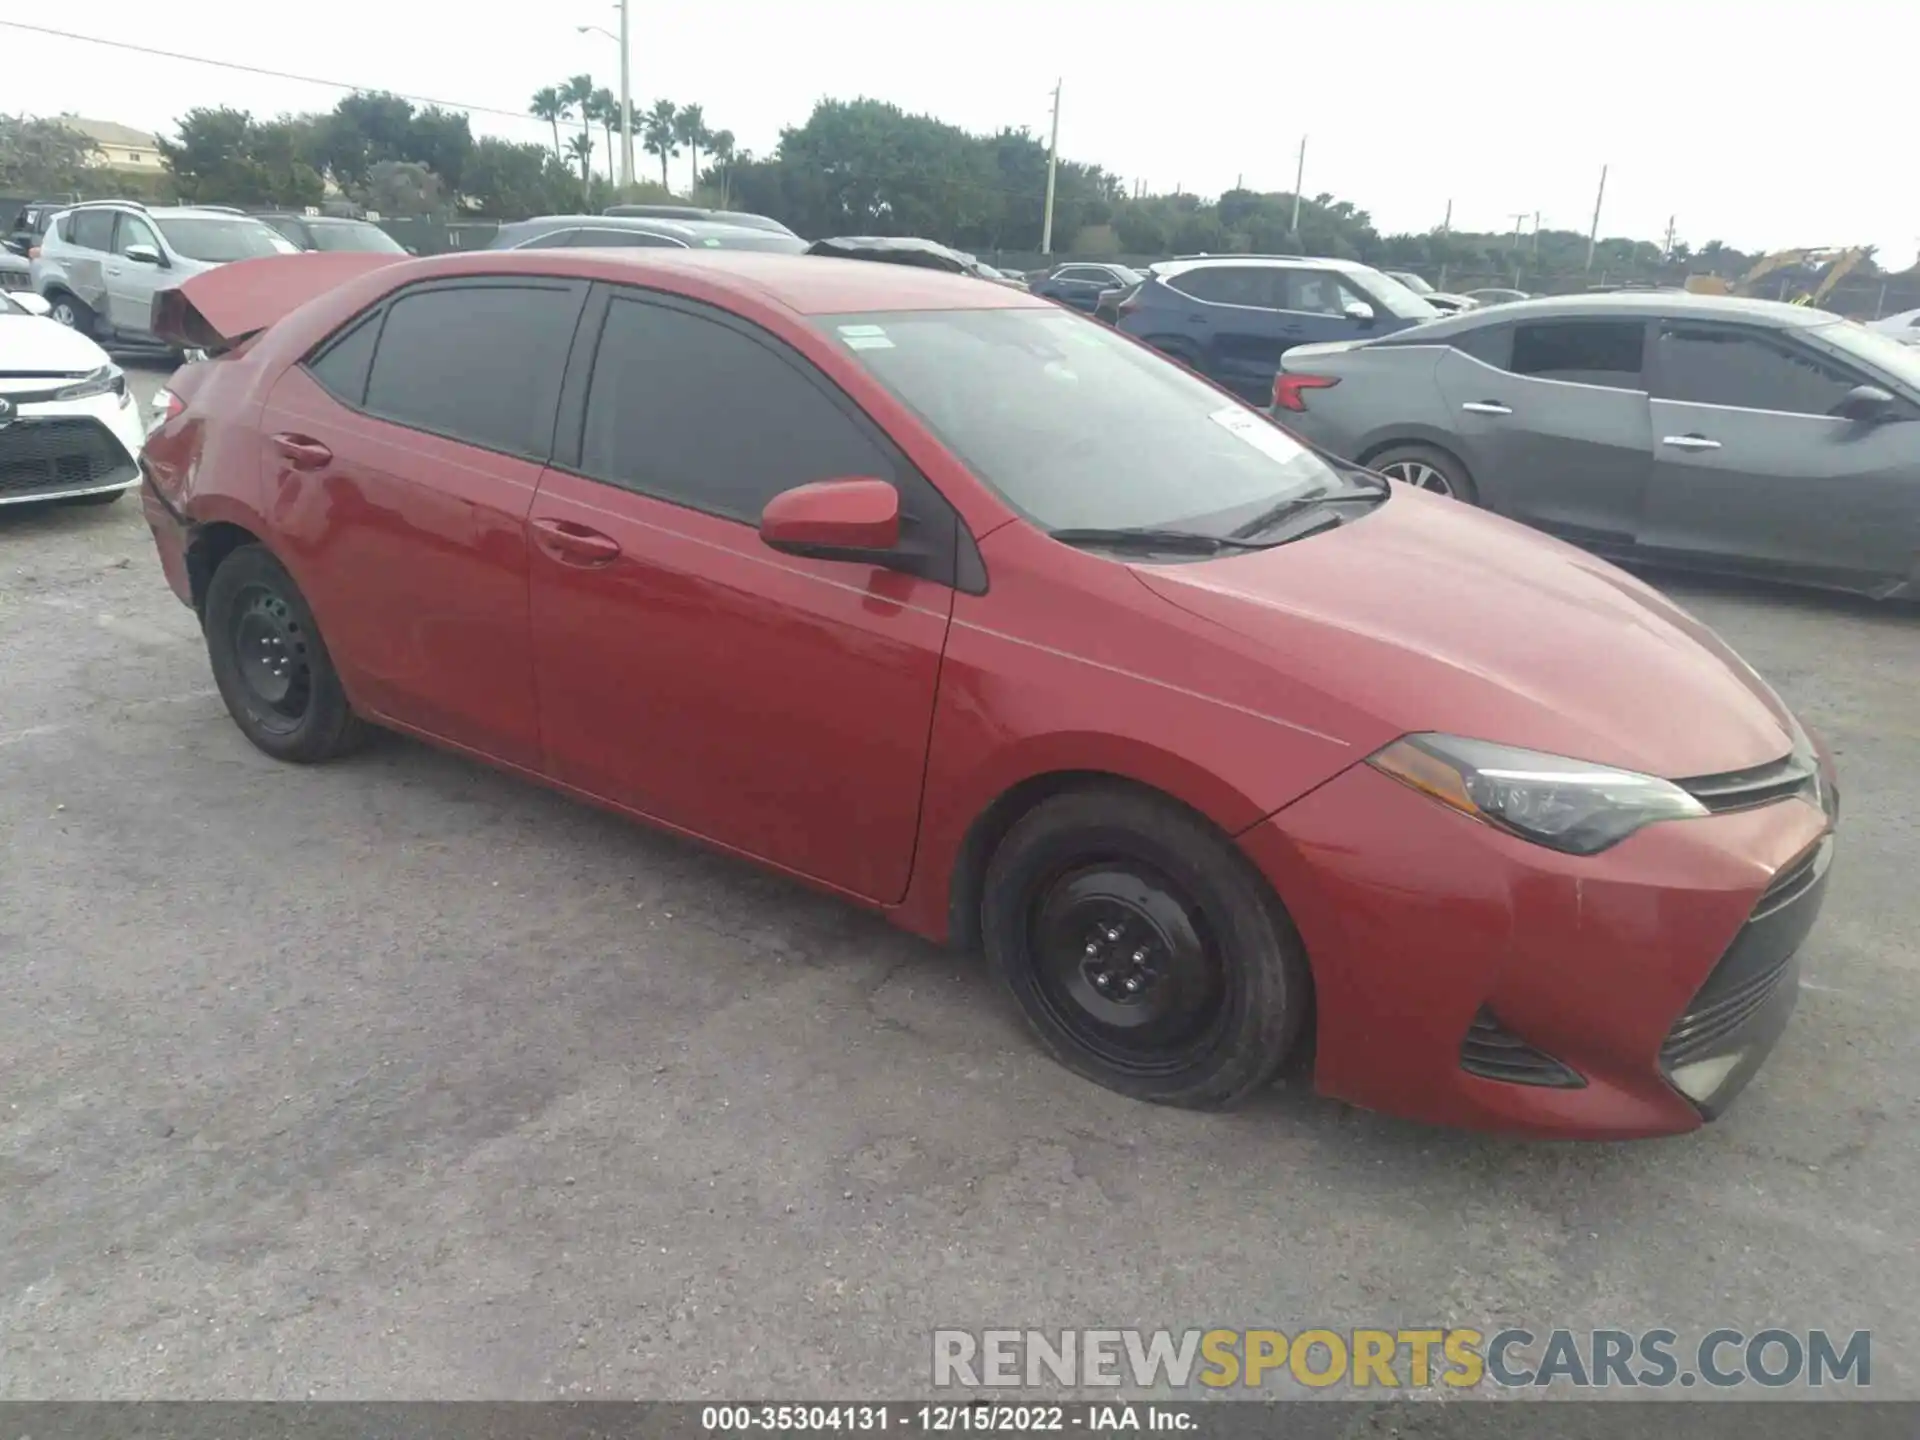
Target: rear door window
(479,363)
(91,229)
(1746,370)
(1490,345)
(1245,285)
(622,239)
(1582,352)
(1314,292)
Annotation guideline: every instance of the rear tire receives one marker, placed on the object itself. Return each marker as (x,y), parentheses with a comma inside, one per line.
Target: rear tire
(70,312)
(1426,467)
(271,663)
(1144,950)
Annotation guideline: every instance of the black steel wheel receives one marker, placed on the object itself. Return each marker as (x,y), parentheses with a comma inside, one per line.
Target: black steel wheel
(1143,949)
(271,663)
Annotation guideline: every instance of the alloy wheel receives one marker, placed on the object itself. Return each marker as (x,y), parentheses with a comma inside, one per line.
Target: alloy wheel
(62,314)
(1418,474)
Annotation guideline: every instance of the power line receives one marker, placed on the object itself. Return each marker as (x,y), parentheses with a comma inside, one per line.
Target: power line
(270,74)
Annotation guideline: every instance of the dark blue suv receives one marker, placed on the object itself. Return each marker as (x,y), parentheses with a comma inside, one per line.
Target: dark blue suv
(1232,317)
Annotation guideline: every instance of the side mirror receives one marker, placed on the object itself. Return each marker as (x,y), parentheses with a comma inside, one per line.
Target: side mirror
(143,255)
(1865,402)
(835,520)
(1358,311)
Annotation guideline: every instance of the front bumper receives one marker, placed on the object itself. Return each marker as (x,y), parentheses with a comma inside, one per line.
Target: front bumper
(1466,977)
(56,450)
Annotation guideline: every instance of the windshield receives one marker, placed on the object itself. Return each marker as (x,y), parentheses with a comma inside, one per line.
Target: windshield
(1401,302)
(348,235)
(218,241)
(1883,352)
(1077,427)
(1412,281)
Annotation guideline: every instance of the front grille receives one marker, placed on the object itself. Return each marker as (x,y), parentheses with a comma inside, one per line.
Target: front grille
(1493,1052)
(49,457)
(1758,961)
(1790,775)
(1702,1029)
(15,280)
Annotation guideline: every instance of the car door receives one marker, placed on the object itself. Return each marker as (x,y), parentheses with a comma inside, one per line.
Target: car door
(1081,285)
(401,460)
(131,283)
(1551,420)
(1752,468)
(88,232)
(1233,319)
(775,704)
(1313,308)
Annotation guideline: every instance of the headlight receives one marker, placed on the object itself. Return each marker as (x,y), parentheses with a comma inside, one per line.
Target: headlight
(1567,805)
(107,380)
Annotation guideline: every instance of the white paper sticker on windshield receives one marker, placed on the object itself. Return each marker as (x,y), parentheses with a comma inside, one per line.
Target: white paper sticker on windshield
(850,331)
(869,342)
(1267,438)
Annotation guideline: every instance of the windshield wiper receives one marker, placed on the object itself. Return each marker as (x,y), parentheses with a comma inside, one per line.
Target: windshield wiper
(1182,542)
(1371,488)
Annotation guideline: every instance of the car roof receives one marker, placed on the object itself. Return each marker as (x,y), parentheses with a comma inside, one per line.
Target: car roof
(1274,262)
(1659,303)
(656,224)
(803,284)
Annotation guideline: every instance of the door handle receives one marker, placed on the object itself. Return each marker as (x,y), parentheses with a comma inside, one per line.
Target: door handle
(115,271)
(573,544)
(1690,442)
(1486,407)
(302,451)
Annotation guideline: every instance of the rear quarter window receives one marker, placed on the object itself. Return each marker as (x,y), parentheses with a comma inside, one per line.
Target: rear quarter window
(1491,345)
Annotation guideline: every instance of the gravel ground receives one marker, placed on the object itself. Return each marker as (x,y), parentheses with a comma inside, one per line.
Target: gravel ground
(400,1078)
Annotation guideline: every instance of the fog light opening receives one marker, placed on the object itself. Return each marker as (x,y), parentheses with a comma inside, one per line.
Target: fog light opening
(1702,1079)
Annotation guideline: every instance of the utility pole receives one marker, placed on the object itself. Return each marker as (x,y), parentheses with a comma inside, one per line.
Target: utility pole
(1299,179)
(1446,223)
(1053,162)
(1536,234)
(1519,220)
(626,103)
(1593,233)
(1667,253)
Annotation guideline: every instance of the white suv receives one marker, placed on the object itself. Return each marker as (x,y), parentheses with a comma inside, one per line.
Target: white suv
(100,263)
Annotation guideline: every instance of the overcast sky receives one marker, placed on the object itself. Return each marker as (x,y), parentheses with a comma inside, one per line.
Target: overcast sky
(1763,126)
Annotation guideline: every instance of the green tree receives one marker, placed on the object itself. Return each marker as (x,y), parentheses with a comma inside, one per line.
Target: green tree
(550,105)
(362,130)
(580,150)
(506,180)
(225,157)
(661,134)
(441,140)
(720,147)
(42,157)
(578,93)
(606,105)
(690,129)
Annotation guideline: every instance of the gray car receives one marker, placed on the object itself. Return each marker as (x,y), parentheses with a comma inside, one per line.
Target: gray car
(101,262)
(551,232)
(1735,435)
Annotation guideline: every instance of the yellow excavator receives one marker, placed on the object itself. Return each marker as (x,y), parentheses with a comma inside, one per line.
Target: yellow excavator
(1834,266)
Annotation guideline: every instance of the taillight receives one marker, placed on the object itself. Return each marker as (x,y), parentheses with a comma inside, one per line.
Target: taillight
(1289,391)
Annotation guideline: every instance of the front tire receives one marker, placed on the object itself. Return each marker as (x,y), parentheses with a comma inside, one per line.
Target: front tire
(271,663)
(1425,467)
(1144,950)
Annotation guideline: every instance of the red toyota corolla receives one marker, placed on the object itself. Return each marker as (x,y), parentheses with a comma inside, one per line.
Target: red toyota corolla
(936,596)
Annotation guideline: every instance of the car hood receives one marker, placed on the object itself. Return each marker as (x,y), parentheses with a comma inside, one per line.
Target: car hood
(34,343)
(219,307)
(1428,614)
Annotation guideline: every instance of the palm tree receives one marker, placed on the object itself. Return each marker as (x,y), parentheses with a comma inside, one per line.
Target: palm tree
(580,147)
(550,105)
(662,135)
(607,105)
(690,129)
(720,147)
(578,92)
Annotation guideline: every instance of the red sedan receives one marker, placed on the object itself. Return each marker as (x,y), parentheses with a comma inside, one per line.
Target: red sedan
(936,596)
